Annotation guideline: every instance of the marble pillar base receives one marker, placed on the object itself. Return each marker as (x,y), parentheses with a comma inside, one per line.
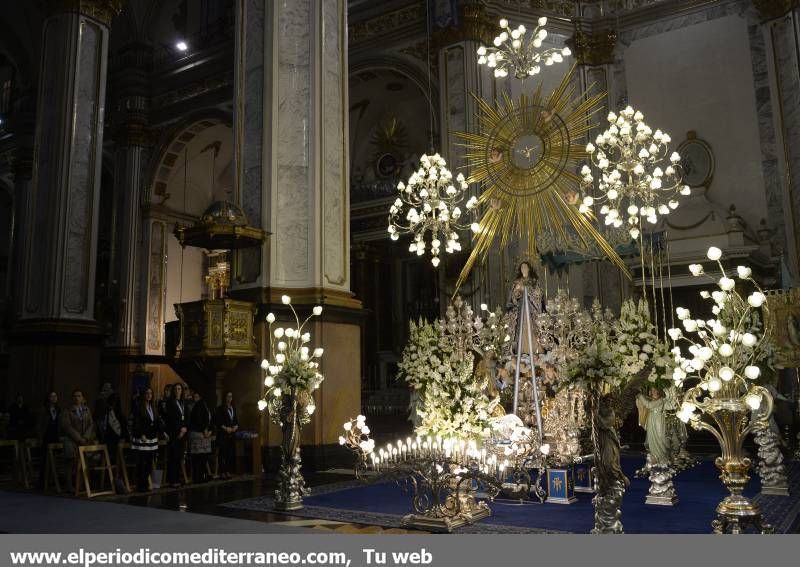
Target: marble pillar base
(338,330)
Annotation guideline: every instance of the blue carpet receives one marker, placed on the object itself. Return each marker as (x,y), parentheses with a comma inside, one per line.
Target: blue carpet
(699,491)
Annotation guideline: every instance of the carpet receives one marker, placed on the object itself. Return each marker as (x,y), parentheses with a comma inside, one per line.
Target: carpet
(699,491)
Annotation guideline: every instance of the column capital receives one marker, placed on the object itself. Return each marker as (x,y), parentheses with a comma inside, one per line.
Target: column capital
(595,47)
(101,10)
(772,9)
(475,24)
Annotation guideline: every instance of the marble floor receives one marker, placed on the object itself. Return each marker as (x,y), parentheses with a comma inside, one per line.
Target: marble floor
(190,509)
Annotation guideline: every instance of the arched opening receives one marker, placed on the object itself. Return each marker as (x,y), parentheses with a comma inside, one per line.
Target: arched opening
(194,170)
(392,123)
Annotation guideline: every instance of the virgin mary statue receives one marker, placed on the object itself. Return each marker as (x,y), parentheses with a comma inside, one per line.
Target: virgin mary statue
(524,290)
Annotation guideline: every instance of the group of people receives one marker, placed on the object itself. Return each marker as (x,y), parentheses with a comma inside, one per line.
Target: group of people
(181,417)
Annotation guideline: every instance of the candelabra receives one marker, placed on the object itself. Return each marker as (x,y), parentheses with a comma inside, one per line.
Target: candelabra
(638,175)
(517,51)
(218,278)
(726,402)
(441,474)
(520,453)
(429,205)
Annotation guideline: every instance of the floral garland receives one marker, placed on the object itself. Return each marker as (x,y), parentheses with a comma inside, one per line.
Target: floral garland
(294,371)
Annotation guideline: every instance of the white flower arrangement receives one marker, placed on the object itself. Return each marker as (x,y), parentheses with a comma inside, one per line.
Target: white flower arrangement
(294,369)
(448,400)
(599,367)
(726,351)
(640,347)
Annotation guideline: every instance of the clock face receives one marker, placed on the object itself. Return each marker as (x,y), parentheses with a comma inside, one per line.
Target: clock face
(697,162)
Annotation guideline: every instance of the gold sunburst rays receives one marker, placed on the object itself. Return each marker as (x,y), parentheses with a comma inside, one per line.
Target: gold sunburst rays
(524,155)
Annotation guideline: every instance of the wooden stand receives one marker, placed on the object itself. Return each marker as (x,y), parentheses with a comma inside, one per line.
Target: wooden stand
(83,471)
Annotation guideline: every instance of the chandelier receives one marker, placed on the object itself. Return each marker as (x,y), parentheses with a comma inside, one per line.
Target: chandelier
(515,51)
(429,206)
(638,175)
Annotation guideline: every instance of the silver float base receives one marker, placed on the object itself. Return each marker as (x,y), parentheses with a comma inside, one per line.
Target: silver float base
(775,490)
(444,525)
(661,500)
(570,500)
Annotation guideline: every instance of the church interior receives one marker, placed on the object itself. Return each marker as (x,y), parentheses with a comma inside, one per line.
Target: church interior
(400,266)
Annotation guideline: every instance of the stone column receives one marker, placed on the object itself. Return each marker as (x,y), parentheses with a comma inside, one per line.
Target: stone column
(460,80)
(291,178)
(594,53)
(60,237)
(23,125)
(781,22)
(132,146)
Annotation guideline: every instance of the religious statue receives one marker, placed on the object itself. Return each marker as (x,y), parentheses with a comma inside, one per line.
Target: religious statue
(524,305)
(653,419)
(610,481)
(524,300)
(660,447)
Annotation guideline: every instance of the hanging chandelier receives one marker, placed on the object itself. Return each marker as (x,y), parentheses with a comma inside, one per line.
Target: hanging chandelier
(639,177)
(428,206)
(516,51)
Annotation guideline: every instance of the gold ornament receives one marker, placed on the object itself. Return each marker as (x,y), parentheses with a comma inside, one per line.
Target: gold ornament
(525,155)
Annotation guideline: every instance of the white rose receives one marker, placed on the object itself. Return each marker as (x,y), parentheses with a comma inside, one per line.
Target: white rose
(714,253)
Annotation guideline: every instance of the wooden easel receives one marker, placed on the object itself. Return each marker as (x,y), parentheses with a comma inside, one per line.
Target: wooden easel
(83,471)
(52,468)
(18,471)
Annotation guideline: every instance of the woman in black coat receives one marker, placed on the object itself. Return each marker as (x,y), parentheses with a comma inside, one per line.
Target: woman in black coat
(177,427)
(200,424)
(227,421)
(145,427)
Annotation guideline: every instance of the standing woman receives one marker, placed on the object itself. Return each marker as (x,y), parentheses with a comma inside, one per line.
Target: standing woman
(176,419)
(144,438)
(227,421)
(200,438)
(47,430)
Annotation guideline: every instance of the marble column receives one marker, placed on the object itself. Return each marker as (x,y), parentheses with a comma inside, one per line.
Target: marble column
(291,178)
(132,147)
(23,125)
(594,53)
(460,80)
(59,243)
(781,24)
